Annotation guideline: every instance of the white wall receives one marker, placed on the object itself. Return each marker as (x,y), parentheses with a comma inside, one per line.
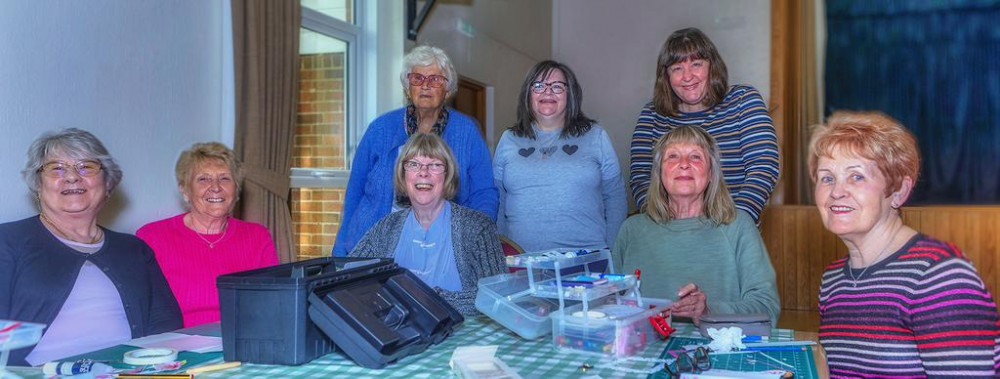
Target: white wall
(612,47)
(508,37)
(146,77)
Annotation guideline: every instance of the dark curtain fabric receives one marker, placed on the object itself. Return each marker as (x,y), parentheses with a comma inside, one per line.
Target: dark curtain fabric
(935,67)
(266,58)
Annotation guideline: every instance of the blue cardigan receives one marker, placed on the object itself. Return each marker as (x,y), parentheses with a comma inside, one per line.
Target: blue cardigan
(369,195)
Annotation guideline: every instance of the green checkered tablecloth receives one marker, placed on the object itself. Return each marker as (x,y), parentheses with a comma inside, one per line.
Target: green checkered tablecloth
(531,359)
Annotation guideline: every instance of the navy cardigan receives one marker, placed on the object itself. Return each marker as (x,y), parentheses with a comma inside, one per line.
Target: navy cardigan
(37,273)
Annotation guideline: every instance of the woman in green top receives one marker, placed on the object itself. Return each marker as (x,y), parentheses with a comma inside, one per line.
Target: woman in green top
(690,242)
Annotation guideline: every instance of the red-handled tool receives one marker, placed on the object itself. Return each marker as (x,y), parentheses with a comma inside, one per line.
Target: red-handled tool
(661,325)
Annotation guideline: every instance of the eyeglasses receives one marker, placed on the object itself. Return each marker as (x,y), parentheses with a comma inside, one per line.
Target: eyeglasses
(433,81)
(685,362)
(557,87)
(58,169)
(433,168)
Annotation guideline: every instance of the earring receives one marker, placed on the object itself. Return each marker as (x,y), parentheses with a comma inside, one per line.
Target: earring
(894,205)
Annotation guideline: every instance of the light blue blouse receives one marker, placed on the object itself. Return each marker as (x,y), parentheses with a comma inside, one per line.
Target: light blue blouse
(429,253)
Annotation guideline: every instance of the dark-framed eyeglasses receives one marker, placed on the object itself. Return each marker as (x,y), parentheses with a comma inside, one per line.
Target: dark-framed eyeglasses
(557,87)
(433,168)
(58,169)
(694,362)
(433,81)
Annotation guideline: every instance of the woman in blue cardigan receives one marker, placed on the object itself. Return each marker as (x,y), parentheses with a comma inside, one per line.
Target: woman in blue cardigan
(428,80)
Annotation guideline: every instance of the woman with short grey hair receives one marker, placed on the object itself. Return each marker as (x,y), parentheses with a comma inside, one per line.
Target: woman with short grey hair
(422,56)
(448,246)
(74,142)
(428,80)
(93,287)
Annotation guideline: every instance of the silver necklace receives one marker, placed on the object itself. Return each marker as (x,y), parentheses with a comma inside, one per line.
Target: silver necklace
(211,244)
(850,271)
(547,143)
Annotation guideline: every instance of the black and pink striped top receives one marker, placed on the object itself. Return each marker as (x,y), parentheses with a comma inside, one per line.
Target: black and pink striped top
(922,312)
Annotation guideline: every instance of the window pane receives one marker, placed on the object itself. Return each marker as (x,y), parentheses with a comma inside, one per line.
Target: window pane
(320,140)
(339,9)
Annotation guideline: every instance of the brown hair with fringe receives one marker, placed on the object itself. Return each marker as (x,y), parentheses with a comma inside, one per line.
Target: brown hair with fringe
(683,45)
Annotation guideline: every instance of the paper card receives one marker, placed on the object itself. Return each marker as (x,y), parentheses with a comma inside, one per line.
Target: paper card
(180,342)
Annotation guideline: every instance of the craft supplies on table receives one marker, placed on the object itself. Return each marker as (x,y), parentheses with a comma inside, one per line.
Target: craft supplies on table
(595,312)
(797,359)
(613,326)
(530,358)
(507,299)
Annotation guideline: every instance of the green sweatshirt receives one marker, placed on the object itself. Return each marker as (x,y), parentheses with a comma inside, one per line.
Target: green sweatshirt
(729,263)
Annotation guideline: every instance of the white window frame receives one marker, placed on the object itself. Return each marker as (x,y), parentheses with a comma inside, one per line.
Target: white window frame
(360,105)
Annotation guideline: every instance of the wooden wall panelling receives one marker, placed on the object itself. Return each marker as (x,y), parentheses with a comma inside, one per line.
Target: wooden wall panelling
(800,247)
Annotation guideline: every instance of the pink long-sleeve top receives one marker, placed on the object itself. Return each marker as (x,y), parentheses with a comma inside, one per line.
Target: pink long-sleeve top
(191,266)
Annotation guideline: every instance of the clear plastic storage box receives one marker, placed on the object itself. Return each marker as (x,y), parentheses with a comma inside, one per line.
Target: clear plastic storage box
(506,298)
(612,325)
(15,335)
(557,259)
(568,288)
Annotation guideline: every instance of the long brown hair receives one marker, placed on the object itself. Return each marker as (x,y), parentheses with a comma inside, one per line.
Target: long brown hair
(576,123)
(682,45)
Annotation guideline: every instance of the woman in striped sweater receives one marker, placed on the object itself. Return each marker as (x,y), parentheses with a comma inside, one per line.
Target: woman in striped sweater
(900,304)
(692,89)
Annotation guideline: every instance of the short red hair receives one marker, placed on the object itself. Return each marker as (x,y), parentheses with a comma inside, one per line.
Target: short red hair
(869,135)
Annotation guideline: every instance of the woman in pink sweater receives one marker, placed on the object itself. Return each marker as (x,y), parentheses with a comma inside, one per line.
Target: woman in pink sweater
(195,247)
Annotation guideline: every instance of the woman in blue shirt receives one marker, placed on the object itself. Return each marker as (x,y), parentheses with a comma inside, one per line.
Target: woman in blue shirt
(558,175)
(448,246)
(428,79)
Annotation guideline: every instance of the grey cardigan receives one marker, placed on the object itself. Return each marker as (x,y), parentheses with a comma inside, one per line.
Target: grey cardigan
(474,238)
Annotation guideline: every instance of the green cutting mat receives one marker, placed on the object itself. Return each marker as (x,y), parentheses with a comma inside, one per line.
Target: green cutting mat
(113,356)
(802,360)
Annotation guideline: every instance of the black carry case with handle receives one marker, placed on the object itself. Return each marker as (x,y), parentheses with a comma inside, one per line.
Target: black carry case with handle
(380,318)
(372,309)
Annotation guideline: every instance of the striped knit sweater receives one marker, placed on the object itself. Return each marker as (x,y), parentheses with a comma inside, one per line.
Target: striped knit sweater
(747,142)
(922,312)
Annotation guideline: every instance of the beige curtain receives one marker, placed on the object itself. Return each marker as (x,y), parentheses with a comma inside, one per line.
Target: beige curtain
(796,87)
(266,58)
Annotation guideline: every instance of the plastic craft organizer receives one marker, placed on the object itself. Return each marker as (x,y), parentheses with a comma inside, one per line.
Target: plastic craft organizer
(506,298)
(623,330)
(15,335)
(608,317)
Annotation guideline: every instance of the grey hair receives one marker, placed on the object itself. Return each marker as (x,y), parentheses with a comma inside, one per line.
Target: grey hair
(425,56)
(75,143)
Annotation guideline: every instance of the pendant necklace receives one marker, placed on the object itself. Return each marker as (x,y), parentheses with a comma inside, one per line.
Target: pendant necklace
(548,147)
(211,244)
(97,236)
(850,271)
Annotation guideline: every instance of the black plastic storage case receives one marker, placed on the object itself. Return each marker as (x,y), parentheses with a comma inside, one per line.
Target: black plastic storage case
(264,312)
(379,318)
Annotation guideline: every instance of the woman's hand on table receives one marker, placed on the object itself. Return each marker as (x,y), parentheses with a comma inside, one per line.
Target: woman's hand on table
(690,303)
